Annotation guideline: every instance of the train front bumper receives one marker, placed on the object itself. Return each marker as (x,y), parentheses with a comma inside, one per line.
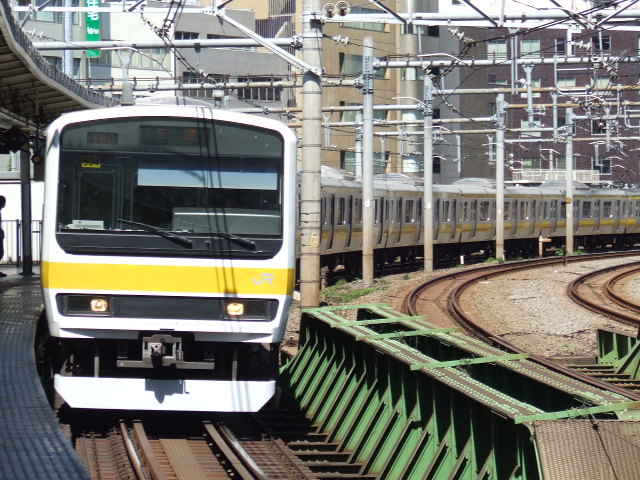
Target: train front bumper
(169,395)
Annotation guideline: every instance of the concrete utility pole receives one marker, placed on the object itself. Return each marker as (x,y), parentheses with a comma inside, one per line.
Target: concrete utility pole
(67,32)
(368,202)
(25,189)
(310,226)
(569,180)
(428,173)
(500,128)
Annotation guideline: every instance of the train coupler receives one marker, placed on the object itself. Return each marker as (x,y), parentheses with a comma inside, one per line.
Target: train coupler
(161,350)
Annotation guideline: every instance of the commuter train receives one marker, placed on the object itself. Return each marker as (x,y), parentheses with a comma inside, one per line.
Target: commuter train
(464,216)
(168,257)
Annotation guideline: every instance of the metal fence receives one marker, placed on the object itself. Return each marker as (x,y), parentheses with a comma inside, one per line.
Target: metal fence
(13,241)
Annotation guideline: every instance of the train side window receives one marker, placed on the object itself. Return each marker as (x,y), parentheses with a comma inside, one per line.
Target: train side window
(506,212)
(340,218)
(446,207)
(485,213)
(524,211)
(323,211)
(419,211)
(357,211)
(465,211)
(408,211)
(545,210)
(606,209)
(637,208)
(586,208)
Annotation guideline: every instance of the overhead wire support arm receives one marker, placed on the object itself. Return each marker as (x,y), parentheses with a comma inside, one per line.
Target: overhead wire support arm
(389,11)
(283,54)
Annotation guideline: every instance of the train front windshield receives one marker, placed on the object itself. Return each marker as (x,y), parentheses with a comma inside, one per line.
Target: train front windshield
(150,186)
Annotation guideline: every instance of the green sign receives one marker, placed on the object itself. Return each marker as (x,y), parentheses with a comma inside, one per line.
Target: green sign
(93,27)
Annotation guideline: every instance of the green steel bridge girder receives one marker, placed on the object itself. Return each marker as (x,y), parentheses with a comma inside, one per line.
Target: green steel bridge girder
(362,376)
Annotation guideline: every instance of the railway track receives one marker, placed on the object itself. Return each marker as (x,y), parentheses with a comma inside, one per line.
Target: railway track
(440,300)
(271,445)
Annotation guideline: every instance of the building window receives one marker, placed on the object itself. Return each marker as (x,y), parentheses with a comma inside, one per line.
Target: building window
(598,127)
(433,31)
(560,45)
(491,78)
(55,17)
(352,65)
(372,26)
(263,93)
(191,78)
(529,132)
(530,162)
(535,83)
(186,36)
(601,43)
(530,48)
(497,49)
(564,82)
(603,165)
(348,161)
(356,115)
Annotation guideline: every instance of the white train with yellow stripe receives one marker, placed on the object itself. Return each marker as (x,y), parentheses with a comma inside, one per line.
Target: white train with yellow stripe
(464,216)
(168,257)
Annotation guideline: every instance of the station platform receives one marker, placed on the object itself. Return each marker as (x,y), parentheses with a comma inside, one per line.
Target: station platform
(32,445)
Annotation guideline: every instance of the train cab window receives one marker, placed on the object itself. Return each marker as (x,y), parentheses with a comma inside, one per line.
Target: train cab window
(357,211)
(485,211)
(507,211)
(607,211)
(96,197)
(586,209)
(408,212)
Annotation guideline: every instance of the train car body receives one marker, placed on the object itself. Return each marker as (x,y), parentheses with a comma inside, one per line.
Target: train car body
(168,256)
(464,218)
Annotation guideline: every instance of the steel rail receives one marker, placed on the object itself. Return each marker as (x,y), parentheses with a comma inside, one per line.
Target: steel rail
(458,313)
(594,306)
(237,457)
(609,290)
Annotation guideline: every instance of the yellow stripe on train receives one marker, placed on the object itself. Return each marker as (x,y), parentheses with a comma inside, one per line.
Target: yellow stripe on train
(166,278)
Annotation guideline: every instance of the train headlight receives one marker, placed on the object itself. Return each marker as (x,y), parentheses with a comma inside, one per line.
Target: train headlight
(99,305)
(249,309)
(235,309)
(79,304)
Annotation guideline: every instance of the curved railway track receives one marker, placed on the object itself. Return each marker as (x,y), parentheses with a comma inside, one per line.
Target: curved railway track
(620,308)
(439,299)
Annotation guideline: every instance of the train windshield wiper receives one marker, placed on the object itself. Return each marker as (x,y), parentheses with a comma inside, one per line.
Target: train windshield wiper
(230,236)
(235,238)
(185,242)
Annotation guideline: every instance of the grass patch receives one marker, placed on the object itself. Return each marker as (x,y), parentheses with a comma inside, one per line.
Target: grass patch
(344,292)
